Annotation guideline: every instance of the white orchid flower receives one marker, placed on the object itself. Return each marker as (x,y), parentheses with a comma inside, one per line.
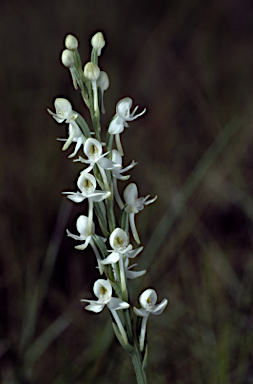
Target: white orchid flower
(148,301)
(122,250)
(119,121)
(117,174)
(120,244)
(87,185)
(103,290)
(65,113)
(82,228)
(93,150)
(63,110)
(134,205)
(75,136)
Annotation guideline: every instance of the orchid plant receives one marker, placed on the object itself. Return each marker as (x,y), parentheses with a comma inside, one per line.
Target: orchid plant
(97,183)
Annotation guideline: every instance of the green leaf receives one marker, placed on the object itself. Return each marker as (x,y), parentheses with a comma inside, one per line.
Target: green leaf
(83,125)
(145,359)
(101,215)
(125,345)
(124,221)
(101,245)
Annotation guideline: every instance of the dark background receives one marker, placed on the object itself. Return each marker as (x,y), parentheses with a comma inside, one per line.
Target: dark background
(190,63)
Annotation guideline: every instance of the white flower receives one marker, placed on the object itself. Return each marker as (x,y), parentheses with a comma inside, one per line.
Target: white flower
(65,113)
(119,242)
(93,150)
(134,205)
(148,301)
(82,228)
(63,110)
(103,290)
(119,121)
(75,136)
(87,185)
(117,174)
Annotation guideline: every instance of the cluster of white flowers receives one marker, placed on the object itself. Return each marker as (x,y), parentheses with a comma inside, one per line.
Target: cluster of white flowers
(98,184)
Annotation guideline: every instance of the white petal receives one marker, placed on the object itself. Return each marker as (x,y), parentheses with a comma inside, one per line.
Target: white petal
(148,298)
(84,245)
(118,233)
(116,157)
(116,125)
(116,303)
(76,197)
(123,107)
(99,195)
(77,147)
(134,252)
(130,193)
(82,226)
(158,309)
(86,182)
(106,163)
(111,259)
(134,274)
(140,312)
(92,148)
(75,237)
(95,307)
(104,286)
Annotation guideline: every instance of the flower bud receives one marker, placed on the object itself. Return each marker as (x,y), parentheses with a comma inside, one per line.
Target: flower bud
(71,42)
(98,42)
(103,81)
(67,58)
(91,71)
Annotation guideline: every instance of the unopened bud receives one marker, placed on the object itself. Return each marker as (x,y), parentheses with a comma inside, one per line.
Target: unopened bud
(71,42)
(67,58)
(103,81)
(98,42)
(91,71)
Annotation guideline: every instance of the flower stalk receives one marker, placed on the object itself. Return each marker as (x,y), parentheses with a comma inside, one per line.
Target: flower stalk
(97,184)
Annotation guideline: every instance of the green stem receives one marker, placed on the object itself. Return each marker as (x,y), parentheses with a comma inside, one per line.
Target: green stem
(135,354)
(139,372)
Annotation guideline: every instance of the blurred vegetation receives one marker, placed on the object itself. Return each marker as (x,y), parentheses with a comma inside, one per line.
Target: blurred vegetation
(191,64)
